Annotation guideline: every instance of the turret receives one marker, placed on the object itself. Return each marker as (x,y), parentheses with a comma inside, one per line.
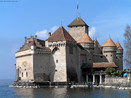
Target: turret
(109,50)
(77,28)
(87,43)
(97,47)
(119,56)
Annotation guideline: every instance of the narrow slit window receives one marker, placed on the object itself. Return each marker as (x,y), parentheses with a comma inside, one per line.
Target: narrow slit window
(56,61)
(26,74)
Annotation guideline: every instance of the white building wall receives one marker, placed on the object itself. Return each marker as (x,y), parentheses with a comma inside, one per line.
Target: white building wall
(24,62)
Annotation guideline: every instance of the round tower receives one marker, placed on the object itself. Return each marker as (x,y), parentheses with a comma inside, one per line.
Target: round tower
(119,56)
(109,50)
(86,42)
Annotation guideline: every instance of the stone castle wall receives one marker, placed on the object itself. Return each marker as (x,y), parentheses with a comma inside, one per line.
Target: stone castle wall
(58,63)
(72,61)
(111,81)
(41,67)
(78,31)
(110,53)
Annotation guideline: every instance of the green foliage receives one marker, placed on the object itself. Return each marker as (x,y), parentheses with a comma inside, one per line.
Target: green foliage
(120,73)
(109,71)
(115,74)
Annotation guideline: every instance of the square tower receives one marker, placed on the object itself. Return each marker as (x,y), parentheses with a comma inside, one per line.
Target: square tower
(77,28)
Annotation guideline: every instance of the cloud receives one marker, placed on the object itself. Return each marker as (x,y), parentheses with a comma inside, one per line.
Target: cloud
(44,33)
(53,29)
(92,32)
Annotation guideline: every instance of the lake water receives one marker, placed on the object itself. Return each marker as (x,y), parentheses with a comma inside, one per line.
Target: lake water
(7,92)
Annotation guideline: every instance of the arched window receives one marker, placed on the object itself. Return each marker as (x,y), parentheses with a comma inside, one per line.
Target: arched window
(55,49)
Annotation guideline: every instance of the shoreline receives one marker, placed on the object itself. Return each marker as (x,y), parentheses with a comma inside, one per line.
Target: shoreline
(76,86)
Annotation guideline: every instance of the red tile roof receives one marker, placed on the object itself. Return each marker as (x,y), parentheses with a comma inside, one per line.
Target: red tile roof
(85,39)
(40,44)
(119,46)
(60,35)
(77,22)
(109,42)
(104,65)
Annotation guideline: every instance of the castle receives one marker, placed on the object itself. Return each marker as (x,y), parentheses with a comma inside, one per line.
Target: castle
(67,57)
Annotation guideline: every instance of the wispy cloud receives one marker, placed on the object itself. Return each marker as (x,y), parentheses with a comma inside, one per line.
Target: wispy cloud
(44,33)
(92,32)
(53,29)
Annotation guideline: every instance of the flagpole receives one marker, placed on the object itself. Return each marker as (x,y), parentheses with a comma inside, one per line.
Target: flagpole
(77,9)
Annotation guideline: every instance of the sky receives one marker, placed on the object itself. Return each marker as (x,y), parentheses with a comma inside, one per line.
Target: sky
(106,18)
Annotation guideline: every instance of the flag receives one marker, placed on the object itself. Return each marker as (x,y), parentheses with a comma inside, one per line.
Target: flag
(77,5)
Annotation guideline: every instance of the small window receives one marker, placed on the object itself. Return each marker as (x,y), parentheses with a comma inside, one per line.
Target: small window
(111,55)
(24,65)
(106,55)
(89,59)
(70,50)
(22,74)
(56,61)
(26,74)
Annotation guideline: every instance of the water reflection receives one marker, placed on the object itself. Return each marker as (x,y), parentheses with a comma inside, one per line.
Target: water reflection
(71,93)
(41,92)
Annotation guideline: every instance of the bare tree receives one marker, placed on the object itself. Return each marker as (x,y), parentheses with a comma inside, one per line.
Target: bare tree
(127,45)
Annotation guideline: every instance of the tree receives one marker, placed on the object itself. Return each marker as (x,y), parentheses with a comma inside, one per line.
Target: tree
(109,71)
(127,45)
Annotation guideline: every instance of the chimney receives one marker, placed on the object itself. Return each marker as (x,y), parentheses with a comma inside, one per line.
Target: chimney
(25,39)
(49,34)
(36,36)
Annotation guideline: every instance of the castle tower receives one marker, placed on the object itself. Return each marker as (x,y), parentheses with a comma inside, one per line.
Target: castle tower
(77,28)
(119,56)
(87,43)
(63,57)
(109,50)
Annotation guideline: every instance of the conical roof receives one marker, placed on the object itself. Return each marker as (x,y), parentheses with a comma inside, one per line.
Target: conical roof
(119,46)
(60,35)
(85,39)
(77,22)
(109,42)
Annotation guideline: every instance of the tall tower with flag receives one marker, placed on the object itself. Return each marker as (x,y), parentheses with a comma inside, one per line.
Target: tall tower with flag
(77,28)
